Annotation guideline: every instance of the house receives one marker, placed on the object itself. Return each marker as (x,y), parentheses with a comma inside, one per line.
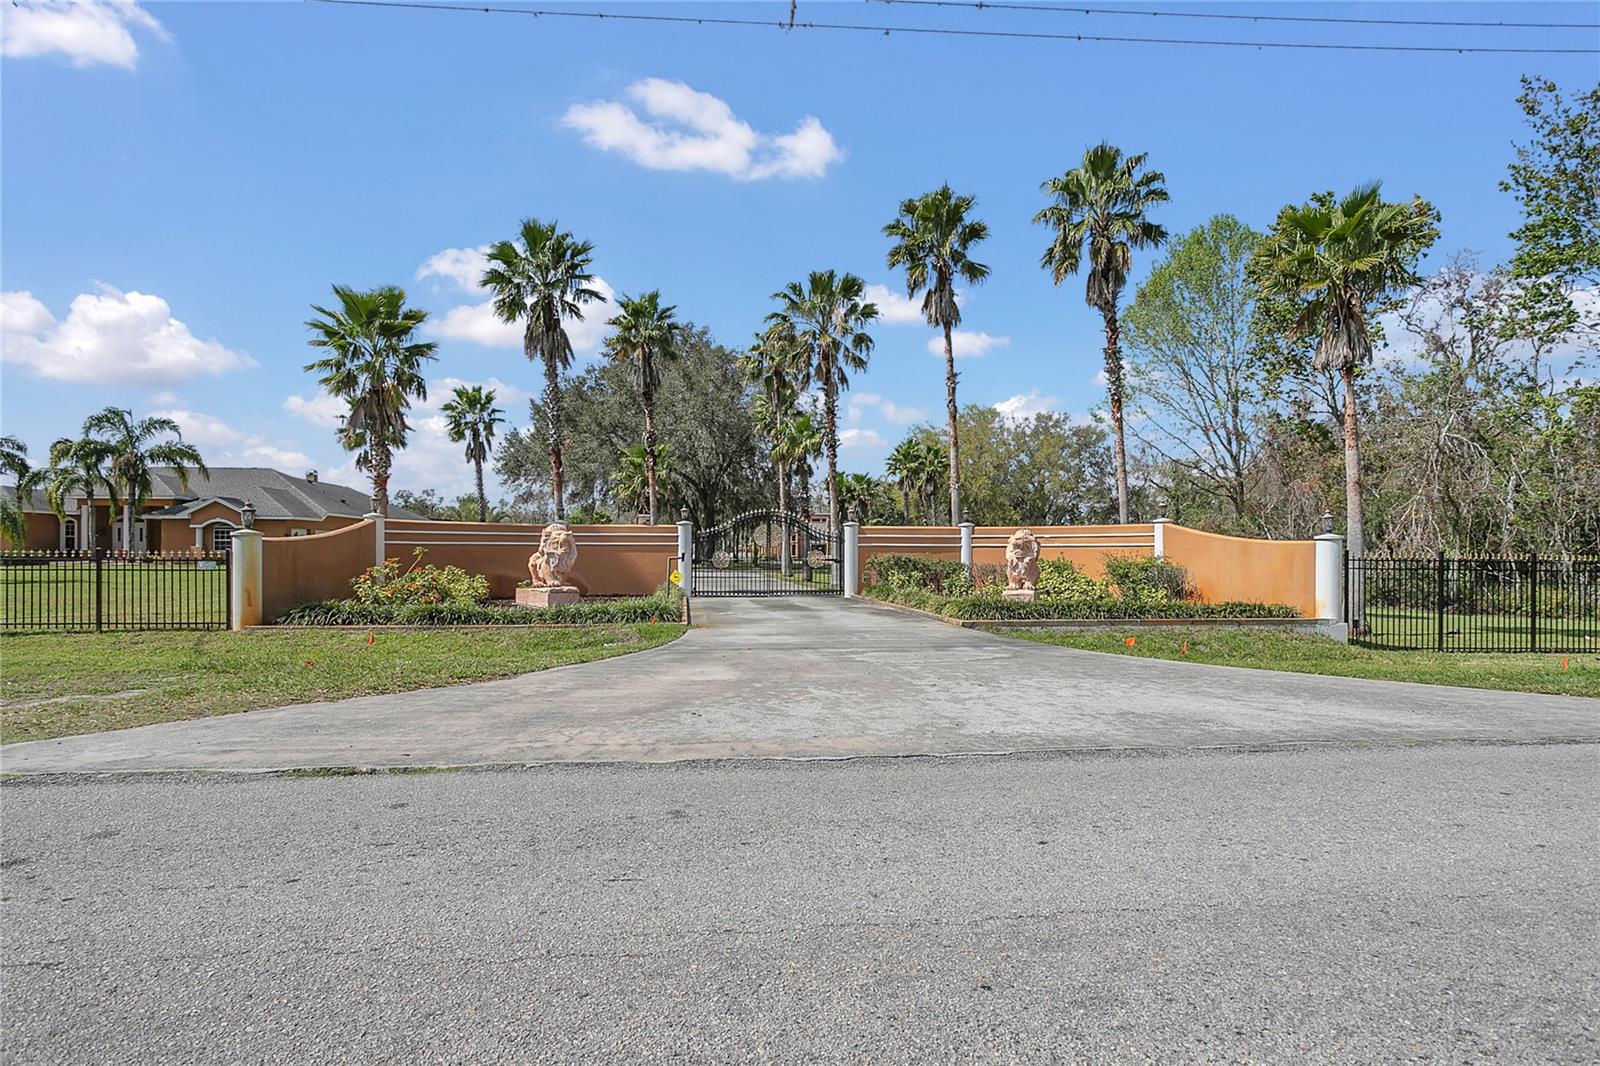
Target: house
(205,513)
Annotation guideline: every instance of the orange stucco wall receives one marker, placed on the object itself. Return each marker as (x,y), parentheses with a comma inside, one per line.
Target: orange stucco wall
(1239,568)
(1084,546)
(615,560)
(319,567)
(43,532)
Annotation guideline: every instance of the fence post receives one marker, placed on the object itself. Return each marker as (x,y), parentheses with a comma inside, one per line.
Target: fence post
(1439,603)
(686,554)
(1533,602)
(1330,576)
(966,545)
(1158,532)
(852,559)
(377,536)
(99,589)
(244,580)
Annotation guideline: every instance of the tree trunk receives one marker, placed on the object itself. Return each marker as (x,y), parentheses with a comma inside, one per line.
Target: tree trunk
(784,565)
(1352,465)
(905,500)
(483,502)
(830,441)
(1114,394)
(380,478)
(89,536)
(552,411)
(127,522)
(950,403)
(650,450)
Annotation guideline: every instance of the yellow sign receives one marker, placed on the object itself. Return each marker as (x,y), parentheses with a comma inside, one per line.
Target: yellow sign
(676,577)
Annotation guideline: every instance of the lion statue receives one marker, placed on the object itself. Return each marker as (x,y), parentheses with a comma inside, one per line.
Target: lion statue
(557,554)
(1022,560)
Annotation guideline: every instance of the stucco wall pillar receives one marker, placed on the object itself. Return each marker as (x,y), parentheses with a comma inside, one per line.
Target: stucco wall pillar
(966,545)
(244,584)
(852,559)
(1158,530)
(377,537)
(1330,577)
(686,555)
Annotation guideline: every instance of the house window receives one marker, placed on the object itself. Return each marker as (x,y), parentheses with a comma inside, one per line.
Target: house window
(69,534)
(297,532)
(221,537)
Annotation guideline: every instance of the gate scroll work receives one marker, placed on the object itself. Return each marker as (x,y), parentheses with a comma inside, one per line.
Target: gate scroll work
(767,553)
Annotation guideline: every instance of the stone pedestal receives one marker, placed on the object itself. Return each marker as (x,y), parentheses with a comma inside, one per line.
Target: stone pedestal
(547,597)
(1020,595)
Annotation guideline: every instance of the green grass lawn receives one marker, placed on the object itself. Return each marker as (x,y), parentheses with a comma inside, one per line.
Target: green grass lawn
(1317,655)
(59,684)
(142,594)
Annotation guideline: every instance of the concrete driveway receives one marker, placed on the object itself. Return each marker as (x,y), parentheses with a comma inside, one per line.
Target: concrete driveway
(813,677)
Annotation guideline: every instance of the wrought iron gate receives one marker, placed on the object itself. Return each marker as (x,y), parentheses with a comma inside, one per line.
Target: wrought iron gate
(767,553)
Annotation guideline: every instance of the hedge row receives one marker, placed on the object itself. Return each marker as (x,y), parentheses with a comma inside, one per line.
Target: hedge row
(977,608)
(662,606)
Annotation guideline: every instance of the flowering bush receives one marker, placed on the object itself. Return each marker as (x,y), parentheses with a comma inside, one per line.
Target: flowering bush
(388,585)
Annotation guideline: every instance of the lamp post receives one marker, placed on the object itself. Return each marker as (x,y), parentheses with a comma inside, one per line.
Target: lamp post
(247,514)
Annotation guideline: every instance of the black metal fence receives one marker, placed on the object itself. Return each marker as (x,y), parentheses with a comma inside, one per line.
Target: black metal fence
(1450,603)
(101,590)
(767,553)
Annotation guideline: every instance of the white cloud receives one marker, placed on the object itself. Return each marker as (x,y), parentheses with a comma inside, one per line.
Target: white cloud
(85,31)
(684,129)
(109,337)
(222,444)
(320,410)
(967,345)
(1026,405)
(479,324)
(897,309)
(461,266)
(891,412)
(852,439)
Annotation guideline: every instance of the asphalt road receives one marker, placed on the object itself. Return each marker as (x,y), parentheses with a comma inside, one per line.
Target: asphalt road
(1353,904)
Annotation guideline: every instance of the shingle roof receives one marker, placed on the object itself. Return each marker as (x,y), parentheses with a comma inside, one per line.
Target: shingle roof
(274,494)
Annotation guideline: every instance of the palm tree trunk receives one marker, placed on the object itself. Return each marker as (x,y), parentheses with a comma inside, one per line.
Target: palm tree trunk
(483,501)
(830,415)
(650,450)
(552,411)
(89,536)
(784,565)
(905,499)
(950,403)
(127,520)
(1114,394)
(1352,465)
(380,477)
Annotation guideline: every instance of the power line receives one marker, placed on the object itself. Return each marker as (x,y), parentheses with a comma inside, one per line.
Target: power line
(1236,17)
(784,24)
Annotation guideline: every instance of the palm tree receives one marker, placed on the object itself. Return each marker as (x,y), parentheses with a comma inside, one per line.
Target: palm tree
(541,279)
(375,365)
(1332,261)
(929,469)
(776,366)
(471,418)
(25,478)
(828,316)
(1102,203)
(632,480)
(646,335)
(935,237)
(136,447)
(902,466)
(860,494)
(799,442)
(78,468)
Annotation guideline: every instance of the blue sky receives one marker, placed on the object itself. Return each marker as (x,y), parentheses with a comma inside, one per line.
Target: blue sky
(180,182)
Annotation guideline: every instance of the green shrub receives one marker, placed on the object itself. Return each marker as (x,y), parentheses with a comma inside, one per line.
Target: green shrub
(918,572)
(665,605)
(390,586)
(1060,580)
(1089,607)
(1148,580)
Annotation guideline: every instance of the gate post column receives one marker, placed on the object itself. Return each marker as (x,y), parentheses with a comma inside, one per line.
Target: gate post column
(686,554)
(378,537)
(852,559)
(1330,577)
(966,545)
(244,588)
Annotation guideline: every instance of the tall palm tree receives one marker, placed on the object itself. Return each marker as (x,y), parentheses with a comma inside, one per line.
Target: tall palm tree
(471,418)
(136,447)
(930,469)
(799,443)
(1333,261)
(860,494)
(646,336)
(25,478)
(902,465)
(374,364)
(776,365)
(78,467)
(1103,203)
(935,239)
(541,279)
(631,482)
(829,315)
